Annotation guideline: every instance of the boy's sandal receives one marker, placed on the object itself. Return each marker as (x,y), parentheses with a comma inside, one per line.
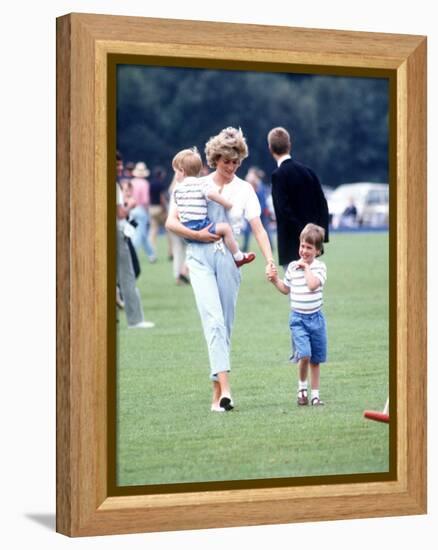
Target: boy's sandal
(316,402)
(302,398)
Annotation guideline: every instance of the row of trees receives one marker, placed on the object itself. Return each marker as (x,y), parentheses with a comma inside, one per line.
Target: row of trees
(339,124)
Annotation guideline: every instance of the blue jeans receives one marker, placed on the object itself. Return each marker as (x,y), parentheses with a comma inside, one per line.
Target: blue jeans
(309,336)
(215,282)
(197,225)
(141,239)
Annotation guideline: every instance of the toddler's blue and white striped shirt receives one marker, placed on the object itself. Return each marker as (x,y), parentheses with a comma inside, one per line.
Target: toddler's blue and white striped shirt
(191,198)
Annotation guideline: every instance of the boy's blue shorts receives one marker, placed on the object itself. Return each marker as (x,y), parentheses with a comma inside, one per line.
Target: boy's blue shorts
(309,336)
(197,225)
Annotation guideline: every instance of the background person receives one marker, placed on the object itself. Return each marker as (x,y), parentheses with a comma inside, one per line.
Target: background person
(297,196)
(129,204)
(140,213)
(178,249)
(255,176)
(158,205)
(125,270)
(349,215)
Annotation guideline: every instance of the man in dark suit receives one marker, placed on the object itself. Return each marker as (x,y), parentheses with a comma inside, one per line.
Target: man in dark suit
(297,196)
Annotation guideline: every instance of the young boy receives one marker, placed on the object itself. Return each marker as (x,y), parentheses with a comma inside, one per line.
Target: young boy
(191,195)
(303,281)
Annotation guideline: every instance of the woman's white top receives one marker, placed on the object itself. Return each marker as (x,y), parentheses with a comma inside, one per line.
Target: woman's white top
(245,202)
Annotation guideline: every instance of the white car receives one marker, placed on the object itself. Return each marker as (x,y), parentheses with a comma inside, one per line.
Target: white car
(371,201)
(328,191)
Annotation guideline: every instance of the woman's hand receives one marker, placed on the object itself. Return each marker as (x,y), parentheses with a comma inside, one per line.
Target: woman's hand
(204,235)
(173,224)
(271,271)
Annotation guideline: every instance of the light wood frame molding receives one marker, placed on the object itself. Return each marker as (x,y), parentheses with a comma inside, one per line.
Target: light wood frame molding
(84,42)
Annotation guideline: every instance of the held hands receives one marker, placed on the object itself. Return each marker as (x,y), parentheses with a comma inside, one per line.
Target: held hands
(271,271)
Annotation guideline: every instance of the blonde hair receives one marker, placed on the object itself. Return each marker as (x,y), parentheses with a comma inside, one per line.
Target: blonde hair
(230,143)
(188,160)
(314,235)
(279,141)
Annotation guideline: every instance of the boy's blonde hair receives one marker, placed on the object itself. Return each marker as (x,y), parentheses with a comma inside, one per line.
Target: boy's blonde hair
(313,234)
(188,160)
(230,143)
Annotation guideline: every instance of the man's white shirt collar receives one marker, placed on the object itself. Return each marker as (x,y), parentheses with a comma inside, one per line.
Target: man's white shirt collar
(282,159)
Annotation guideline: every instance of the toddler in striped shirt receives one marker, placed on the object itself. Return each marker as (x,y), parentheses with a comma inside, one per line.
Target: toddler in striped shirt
(191,194)
(303,282)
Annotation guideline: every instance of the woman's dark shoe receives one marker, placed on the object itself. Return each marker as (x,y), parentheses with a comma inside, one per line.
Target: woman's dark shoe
(226,403)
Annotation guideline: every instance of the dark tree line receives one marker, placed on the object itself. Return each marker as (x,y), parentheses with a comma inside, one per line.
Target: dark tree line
(339,124)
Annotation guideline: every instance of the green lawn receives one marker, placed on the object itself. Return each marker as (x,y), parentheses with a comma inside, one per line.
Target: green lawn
(165,430)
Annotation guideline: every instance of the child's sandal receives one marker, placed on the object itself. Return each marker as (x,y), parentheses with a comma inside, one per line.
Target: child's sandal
(248,257)
(316,402)
(302,398)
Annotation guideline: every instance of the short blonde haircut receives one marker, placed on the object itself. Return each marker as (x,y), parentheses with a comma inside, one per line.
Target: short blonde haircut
(188,160)
(314,235)
(230,143)
(279,141)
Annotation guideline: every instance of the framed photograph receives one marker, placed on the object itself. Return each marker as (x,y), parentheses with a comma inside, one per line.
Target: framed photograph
(139,445)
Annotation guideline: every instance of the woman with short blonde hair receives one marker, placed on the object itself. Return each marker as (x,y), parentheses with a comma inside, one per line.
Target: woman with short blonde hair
(214,276)
(229,143)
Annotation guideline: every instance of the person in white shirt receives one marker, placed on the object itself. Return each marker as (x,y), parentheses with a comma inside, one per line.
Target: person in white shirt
(214,275)
(125,269)
(303,282)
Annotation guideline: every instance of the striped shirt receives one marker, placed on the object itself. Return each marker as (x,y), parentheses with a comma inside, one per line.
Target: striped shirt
(191,198)
(302,299)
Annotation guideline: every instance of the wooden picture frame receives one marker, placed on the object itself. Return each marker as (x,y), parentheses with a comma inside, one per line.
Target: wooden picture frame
(85,506)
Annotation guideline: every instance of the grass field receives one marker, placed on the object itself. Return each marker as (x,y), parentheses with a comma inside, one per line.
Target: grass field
(165,430)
